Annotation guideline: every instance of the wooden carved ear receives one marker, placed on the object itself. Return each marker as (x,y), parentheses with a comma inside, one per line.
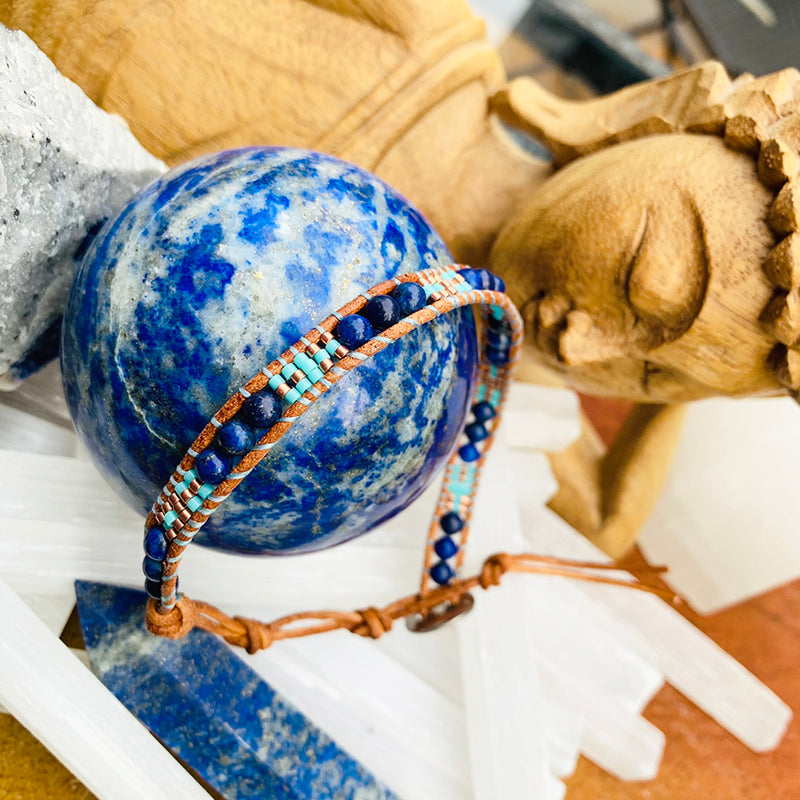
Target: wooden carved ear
(570,129)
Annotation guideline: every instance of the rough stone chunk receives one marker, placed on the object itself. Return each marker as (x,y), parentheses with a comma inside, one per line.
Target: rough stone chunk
(65,166)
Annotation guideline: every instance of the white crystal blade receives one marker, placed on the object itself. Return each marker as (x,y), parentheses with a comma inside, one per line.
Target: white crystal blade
(505,724)
(726,521)
(46,557)
(540,418)
(689,660)
(409,735)
(25,432)
(620,741)
(44,686)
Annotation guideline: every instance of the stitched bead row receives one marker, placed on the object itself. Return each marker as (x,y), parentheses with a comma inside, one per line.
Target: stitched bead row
(460,485)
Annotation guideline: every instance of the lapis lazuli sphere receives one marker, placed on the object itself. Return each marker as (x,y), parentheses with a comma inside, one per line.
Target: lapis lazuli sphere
(211,273)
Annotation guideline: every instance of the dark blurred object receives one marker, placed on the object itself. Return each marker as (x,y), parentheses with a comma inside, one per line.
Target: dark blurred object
(757,36)
(580,41)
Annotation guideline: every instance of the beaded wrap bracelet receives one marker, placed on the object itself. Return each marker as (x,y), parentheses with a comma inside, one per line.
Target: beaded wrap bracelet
(225,451)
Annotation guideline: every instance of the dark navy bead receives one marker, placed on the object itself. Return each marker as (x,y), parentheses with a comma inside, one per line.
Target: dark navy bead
(498,340)
(212,466)
(153,589)
(476,432)
(486,279)
(353,331)
(155,544)
(469,452)
(445,548)
(483,411)
(382,311)
(471,277)
(235,438)
(151,568)
(261,410)
(410,297)
(499,325)
(442,573)
(497,357)
(451,522)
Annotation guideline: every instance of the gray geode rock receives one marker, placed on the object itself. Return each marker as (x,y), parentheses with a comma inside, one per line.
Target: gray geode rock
(65,166)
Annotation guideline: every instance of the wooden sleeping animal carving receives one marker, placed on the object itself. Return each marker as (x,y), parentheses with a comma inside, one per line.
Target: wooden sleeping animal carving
(655,258)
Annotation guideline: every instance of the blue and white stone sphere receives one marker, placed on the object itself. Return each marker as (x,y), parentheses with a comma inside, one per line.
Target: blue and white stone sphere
(212,272)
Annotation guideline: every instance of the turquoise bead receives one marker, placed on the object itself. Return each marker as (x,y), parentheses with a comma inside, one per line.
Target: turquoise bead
(332,346)
(315,374)
(303,386)
(205,490)
(302,361)
(189,476)
(275,381)
(288,371)
(169,519)
(292,396)
(321,355)
(181,486)
(193,503)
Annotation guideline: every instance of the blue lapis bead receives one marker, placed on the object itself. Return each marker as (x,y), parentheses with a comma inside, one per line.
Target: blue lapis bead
(410,297)
(354,330)
(235,438)
(155,544)
(498,340)
(382,312)
(499,283)
(261,410)
(483,411)
(499,325)
(451,522)
(486,279)
(498,357)
(445,548)
(469,452)
(151,569)
(471,277)
(153,589)
(442,573)
(212,466)
(476,431)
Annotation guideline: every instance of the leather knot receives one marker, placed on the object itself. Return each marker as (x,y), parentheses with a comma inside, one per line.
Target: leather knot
(172,624)
(493,569)
(375,622)
(258,635)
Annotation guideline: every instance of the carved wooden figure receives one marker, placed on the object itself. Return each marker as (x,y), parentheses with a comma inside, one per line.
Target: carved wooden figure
(656,257)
